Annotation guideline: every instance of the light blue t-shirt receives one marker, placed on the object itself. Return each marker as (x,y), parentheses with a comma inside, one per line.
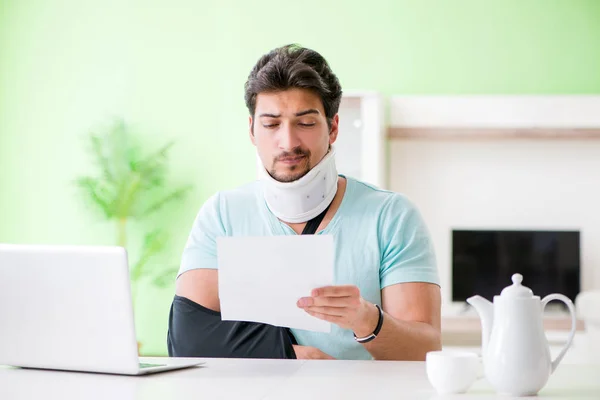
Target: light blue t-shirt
(380,240)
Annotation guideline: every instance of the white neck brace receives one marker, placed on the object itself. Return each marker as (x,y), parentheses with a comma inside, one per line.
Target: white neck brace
(305,198)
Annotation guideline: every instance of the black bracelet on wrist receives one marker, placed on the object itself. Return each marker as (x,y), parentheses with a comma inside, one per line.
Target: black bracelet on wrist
(375,332)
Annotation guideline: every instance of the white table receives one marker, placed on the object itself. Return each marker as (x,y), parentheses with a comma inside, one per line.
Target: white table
(274,379)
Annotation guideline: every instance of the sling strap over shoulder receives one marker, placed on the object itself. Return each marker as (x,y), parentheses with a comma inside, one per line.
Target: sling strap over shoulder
(312,225)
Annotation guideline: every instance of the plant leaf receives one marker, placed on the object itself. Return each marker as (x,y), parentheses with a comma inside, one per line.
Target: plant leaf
(130,192)
(174,195)
(101,157)
(118,143)
(166,277)
(153,168)
(93,189)
(154,243)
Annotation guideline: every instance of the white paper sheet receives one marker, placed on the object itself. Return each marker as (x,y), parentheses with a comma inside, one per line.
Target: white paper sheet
(262,278)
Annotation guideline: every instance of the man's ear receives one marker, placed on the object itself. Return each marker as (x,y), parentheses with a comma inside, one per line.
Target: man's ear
(335,124)
(251,130)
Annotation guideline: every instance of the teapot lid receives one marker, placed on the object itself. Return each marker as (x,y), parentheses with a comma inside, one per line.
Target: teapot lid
(516,289)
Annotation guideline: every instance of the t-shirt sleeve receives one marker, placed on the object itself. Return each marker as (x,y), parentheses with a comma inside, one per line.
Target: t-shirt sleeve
(407,250)
(201,247)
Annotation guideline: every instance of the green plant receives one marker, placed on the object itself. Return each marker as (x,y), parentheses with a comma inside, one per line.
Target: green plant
(132,185)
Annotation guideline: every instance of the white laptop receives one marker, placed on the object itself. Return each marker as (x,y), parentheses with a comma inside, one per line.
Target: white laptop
(69,308)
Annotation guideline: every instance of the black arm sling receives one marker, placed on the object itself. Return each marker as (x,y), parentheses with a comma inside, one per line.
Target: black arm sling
(196,331)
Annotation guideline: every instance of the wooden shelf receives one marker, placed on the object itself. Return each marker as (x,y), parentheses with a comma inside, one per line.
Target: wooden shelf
(457,133)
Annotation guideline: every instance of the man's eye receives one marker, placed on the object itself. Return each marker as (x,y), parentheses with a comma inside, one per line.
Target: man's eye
(270,126)
(307,125)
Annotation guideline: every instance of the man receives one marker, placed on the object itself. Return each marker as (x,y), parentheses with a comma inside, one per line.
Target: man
(385,303)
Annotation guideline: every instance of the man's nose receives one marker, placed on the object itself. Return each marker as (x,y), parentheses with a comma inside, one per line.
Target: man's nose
(288,138)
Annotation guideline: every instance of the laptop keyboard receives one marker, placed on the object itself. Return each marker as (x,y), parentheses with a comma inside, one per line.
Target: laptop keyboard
(143,365)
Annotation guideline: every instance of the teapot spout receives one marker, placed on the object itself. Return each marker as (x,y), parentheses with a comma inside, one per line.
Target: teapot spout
(485,310)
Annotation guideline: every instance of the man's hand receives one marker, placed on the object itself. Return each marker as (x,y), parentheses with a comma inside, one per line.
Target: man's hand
(343,306)
(310,353)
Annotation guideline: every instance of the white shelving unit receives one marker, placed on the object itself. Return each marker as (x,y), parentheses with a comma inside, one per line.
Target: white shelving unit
(361,140)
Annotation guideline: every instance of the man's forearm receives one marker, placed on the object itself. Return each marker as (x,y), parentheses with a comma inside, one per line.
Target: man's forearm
(397,339)
(403,340)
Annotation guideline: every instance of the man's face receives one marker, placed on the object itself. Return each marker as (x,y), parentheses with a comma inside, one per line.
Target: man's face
(291,132)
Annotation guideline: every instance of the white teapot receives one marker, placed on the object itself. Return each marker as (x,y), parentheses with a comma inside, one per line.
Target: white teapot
(515,352)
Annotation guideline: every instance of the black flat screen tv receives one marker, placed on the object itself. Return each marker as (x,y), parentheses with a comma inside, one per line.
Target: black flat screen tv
(483,262)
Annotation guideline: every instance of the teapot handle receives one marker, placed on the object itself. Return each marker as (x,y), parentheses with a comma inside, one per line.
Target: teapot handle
(569,304)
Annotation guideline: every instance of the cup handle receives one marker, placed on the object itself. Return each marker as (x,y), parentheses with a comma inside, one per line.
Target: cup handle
(569,304)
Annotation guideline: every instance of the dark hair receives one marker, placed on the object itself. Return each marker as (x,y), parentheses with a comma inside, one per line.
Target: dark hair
(293,66)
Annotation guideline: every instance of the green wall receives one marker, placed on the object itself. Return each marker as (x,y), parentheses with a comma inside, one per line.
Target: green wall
(176,69)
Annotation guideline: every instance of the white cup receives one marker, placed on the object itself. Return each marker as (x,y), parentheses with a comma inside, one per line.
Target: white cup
(452,371)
